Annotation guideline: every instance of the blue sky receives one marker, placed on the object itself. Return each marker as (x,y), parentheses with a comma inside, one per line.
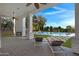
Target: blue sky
(60,15)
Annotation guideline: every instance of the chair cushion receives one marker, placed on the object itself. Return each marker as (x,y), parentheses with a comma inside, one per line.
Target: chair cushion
(56,43)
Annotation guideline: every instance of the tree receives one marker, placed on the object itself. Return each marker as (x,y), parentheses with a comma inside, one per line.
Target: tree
(35,23)
(69,28)
(47,28)
(59,29)
(34,17)
(39,23)
(51,28)
(42,22)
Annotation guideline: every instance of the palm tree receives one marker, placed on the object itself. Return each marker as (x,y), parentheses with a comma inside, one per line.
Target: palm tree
(42,22)
(38,22)
(35,23)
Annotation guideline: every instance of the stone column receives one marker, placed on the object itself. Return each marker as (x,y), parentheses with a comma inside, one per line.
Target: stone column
(77,20)
(14,32)
(30,27)
(75,41)
(24,27)
(0,32)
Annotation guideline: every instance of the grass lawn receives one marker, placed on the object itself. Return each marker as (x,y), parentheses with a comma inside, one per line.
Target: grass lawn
(68,43)
(44,36)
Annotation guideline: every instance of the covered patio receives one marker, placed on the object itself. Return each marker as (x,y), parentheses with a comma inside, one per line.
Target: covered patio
(24,45)
(21,15)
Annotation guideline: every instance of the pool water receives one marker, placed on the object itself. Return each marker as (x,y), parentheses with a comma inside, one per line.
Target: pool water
(55,33)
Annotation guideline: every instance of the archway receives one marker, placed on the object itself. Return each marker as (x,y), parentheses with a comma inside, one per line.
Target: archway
(61,20)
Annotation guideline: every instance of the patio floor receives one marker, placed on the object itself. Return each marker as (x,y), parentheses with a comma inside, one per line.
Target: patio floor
(23,47)
(15,46)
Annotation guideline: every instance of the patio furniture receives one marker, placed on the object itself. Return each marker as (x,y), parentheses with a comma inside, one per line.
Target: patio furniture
(53,42)
(56,43)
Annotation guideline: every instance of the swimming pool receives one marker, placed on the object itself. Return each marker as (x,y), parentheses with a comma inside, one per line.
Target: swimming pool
(55,33)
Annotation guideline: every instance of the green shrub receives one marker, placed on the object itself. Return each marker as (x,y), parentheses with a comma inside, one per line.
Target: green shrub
(68,43)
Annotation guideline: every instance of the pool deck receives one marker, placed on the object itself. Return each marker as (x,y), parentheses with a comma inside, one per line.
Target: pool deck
(61,50)
(15,46)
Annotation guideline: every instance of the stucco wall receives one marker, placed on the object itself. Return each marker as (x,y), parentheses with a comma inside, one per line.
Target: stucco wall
(75,41)
(77,20)
(0,32)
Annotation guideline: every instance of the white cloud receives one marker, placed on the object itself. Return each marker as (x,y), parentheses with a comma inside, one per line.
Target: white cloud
(66,16)
(52,13)
(52,24)
(60,10)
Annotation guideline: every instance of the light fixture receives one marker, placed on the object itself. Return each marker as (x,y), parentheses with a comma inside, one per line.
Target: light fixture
(37,5)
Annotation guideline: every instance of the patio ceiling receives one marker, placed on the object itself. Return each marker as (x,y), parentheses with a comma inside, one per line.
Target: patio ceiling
(7,9)
(20,9)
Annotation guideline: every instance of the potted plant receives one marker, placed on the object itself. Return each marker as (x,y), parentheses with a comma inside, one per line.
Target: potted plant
(38,38)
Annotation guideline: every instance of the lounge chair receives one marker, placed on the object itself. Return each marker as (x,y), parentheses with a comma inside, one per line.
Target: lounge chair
(54,42)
